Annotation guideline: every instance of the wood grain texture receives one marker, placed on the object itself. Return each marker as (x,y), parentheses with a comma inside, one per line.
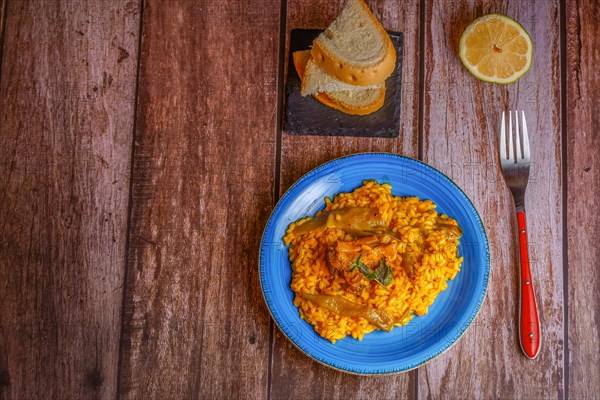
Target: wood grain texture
(195,322)
(583,185)
(461,135)
(2,25)
(66,120)
(294,375)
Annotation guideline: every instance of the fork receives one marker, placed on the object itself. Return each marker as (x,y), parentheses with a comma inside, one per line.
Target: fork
(515,168)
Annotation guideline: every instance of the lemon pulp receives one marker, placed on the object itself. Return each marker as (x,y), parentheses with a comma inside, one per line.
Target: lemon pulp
(495,48)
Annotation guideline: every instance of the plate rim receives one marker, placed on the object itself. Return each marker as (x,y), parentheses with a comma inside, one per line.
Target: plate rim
(392,370)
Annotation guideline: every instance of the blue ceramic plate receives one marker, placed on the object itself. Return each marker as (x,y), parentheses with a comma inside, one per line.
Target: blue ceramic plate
(424,337)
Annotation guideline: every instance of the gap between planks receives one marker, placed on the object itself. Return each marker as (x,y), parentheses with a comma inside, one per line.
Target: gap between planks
(130,197)
(420,124)
(564,194)
(277,169)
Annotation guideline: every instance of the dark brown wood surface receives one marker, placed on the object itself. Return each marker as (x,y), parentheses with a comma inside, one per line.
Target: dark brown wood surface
(2,24)
(66,117)
(583,187)
(203,168)
(131,271)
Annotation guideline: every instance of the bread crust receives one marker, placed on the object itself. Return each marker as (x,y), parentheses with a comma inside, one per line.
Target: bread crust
(354,75)
(301,59)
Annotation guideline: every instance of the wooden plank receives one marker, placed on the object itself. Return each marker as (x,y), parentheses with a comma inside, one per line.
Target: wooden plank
(2,25)
(461,135)
(583,183)
(195,324)
(66,121)
(294,375)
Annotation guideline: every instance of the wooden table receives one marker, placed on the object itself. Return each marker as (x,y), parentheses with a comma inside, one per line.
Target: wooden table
(141,154)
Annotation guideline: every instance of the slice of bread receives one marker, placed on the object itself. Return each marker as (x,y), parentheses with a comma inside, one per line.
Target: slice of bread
(355,103)
(315,80)
(358,101)
(355,48)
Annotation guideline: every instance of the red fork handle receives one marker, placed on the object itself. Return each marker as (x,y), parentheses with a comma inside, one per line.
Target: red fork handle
(529,324)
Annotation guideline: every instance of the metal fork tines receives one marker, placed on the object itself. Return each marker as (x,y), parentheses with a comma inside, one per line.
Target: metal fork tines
(516,161)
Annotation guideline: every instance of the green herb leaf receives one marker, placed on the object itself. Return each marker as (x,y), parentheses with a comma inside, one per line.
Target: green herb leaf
(382,275)
(356,263)
(366,271)
(384,272)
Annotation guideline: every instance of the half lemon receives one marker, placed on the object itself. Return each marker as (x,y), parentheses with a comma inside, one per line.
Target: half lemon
(496,48)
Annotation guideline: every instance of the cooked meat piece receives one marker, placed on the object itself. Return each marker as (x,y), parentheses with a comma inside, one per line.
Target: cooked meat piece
(451,231)
(409,261)
(341,255)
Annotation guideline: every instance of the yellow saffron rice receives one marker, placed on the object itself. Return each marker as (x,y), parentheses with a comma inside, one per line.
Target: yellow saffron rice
(404,297)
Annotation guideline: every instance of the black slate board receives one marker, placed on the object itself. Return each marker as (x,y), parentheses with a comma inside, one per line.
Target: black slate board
(306,116)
